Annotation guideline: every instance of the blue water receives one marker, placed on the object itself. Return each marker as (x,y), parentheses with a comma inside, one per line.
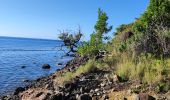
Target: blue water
(32,53)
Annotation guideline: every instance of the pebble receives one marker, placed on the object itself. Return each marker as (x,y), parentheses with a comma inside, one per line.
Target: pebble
(96,90)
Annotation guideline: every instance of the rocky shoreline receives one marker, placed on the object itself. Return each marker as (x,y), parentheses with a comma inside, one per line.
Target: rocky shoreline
(94,85)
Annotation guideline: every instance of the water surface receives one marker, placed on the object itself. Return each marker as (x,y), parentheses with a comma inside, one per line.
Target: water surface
(32,53)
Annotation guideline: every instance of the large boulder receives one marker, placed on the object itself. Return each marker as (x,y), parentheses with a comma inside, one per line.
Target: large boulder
(46,66)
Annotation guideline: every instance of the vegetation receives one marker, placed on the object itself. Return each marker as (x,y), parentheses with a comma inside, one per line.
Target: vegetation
(142,48)
(96,42)
(89,66)
(70,40)
(139,51)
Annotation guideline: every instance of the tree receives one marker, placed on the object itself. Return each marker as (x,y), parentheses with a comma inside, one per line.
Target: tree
(101,26)
(95,43)
(70,40)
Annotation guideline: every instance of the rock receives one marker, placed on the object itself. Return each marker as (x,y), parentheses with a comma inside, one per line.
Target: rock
(68,86)
(60,64)
(39,94)
(85,97)
(98,93)
(91,91)
(102,84)
(168,97)
(69,97)
(46,66)
(116,78)
(72,69)
(145,96)
(57,97)
(58,69)
(108,87)
(18,90)
(5,98)
(105,97)
(96,90)
(26,80)
(81,90)
(23,67)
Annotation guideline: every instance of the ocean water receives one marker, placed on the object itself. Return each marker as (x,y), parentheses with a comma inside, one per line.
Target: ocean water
(32,53)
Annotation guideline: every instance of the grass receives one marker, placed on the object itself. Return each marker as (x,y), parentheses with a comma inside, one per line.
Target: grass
(68,76)
(147,69)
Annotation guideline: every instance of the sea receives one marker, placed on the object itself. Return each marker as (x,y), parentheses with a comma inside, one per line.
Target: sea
(16,53)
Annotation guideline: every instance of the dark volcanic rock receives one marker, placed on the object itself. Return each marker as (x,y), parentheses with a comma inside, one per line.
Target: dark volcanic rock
(46,66)
(85,97)
(18,90)
(60,64)
(69,86)
(57,97)
(23,67)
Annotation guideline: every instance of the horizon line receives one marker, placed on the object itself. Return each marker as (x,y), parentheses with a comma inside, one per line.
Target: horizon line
(29,38)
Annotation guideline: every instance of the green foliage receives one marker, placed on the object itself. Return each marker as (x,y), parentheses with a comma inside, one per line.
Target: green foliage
(96,41)
(91,47)
(101,26)
(151,31)
(163,87)
(70,40)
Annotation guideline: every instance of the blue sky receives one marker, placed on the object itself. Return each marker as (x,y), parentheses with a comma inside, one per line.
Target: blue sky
(43,18)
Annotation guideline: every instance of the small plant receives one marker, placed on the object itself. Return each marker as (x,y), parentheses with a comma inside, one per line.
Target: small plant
(162,87)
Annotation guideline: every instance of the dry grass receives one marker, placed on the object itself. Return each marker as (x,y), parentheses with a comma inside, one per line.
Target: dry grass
(147,69)
(68,76)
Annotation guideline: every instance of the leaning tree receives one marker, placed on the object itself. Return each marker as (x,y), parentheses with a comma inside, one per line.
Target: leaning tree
(71,40)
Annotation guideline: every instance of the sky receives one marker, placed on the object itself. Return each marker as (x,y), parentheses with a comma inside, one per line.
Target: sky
(45,18)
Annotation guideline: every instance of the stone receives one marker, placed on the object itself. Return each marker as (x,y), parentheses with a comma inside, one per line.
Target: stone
(85,97)
(108,87)
(39,94)
(81,90)
(46,66)
(98,93)
(96,90)
(57,97)
(60,64)
(26,80)
(105,97)
(102,84)
(145,96)
(18,90)
(68,86)
(58,69)
(115,78)
(23,67)
(168,97)
(91,91)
